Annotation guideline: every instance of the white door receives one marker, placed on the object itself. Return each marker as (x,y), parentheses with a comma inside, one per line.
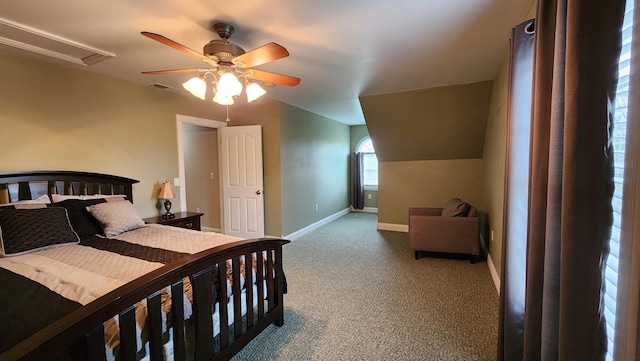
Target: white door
(242,182)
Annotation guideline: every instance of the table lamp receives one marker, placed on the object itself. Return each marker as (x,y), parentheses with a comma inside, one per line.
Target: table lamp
(166,192)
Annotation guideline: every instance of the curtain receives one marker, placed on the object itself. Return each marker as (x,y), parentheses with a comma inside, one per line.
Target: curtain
(577,44)
(357,176)
(514,246)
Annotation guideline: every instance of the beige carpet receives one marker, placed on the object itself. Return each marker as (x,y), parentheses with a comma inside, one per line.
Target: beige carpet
(356,293)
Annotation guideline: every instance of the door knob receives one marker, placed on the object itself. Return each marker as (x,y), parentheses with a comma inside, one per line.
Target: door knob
(258,192)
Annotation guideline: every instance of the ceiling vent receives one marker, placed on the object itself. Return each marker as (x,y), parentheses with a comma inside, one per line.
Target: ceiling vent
(36,41)
(160,86)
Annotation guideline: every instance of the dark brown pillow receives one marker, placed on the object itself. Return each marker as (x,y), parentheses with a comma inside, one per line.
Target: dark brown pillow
(81,220)
(455,207)
(26,230)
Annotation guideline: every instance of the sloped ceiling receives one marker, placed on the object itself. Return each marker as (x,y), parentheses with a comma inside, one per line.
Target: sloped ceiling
(342,49)
(430,124)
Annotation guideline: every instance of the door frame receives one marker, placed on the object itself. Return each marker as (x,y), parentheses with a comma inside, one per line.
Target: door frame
(202,122)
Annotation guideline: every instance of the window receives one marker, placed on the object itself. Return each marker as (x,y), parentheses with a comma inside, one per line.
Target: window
(619,140)
(370,163)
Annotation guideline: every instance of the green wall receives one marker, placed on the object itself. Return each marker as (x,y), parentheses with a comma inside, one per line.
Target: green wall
(357,132)
(315,167)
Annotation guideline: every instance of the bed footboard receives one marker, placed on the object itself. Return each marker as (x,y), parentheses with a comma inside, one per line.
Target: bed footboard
(81,334)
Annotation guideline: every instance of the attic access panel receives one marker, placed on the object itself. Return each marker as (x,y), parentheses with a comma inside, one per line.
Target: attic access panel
(39,42)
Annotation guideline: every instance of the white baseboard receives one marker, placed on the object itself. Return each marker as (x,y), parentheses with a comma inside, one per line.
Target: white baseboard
(299,233)
(210,229)
(365,210)
(393,227)
(494,273)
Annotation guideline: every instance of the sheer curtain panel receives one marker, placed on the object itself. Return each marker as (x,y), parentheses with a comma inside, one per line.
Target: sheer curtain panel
(514,246)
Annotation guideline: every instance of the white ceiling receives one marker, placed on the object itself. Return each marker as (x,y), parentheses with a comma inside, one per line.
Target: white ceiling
(341,49)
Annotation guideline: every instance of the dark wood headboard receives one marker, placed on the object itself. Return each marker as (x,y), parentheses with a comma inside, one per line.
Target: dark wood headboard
(18,186)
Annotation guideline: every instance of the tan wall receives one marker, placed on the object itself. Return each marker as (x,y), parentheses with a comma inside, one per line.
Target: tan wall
(55,118)
(436,123)
(494,163)
(428,183)
(201,160)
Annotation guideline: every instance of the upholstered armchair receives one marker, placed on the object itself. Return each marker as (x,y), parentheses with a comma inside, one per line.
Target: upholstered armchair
(455,228)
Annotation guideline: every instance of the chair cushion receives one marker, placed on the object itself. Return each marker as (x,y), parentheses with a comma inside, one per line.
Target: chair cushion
(455,207)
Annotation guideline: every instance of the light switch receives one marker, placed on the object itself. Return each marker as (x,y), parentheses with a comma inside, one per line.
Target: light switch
(176,182)
(211,176)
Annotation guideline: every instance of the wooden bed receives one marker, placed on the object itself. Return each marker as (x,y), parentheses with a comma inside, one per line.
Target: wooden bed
(80,335)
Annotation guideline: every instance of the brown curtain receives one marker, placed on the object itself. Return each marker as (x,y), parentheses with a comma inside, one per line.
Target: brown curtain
(577,45)
(357,176)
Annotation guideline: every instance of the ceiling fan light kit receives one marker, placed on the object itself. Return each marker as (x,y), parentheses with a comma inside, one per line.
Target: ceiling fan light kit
(228,62)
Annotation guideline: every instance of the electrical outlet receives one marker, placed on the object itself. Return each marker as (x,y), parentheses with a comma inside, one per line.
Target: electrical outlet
(369,196)
(316,207)
(197,209)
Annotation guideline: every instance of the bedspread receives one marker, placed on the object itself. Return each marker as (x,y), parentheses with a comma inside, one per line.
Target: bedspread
(78,274)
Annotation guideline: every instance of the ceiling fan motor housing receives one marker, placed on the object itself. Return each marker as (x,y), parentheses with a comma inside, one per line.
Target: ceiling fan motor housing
(222,50)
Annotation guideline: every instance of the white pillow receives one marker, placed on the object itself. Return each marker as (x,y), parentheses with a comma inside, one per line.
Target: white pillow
(116,217)
(113,197)
(40,202)
(109,197)
(61,197)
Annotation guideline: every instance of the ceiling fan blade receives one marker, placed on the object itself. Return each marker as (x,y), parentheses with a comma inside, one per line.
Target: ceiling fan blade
(272,77)
(177,46)
(261,55)
(176,71)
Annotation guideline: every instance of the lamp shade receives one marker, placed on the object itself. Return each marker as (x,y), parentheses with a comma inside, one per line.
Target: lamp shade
(166,191)
(228,85)
(254,91)
(196,86)
(223,100)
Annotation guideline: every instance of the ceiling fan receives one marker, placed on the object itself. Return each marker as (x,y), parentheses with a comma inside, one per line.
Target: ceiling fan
(228,62)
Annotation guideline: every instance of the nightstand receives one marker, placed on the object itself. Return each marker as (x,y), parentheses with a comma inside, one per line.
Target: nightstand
(189,220)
